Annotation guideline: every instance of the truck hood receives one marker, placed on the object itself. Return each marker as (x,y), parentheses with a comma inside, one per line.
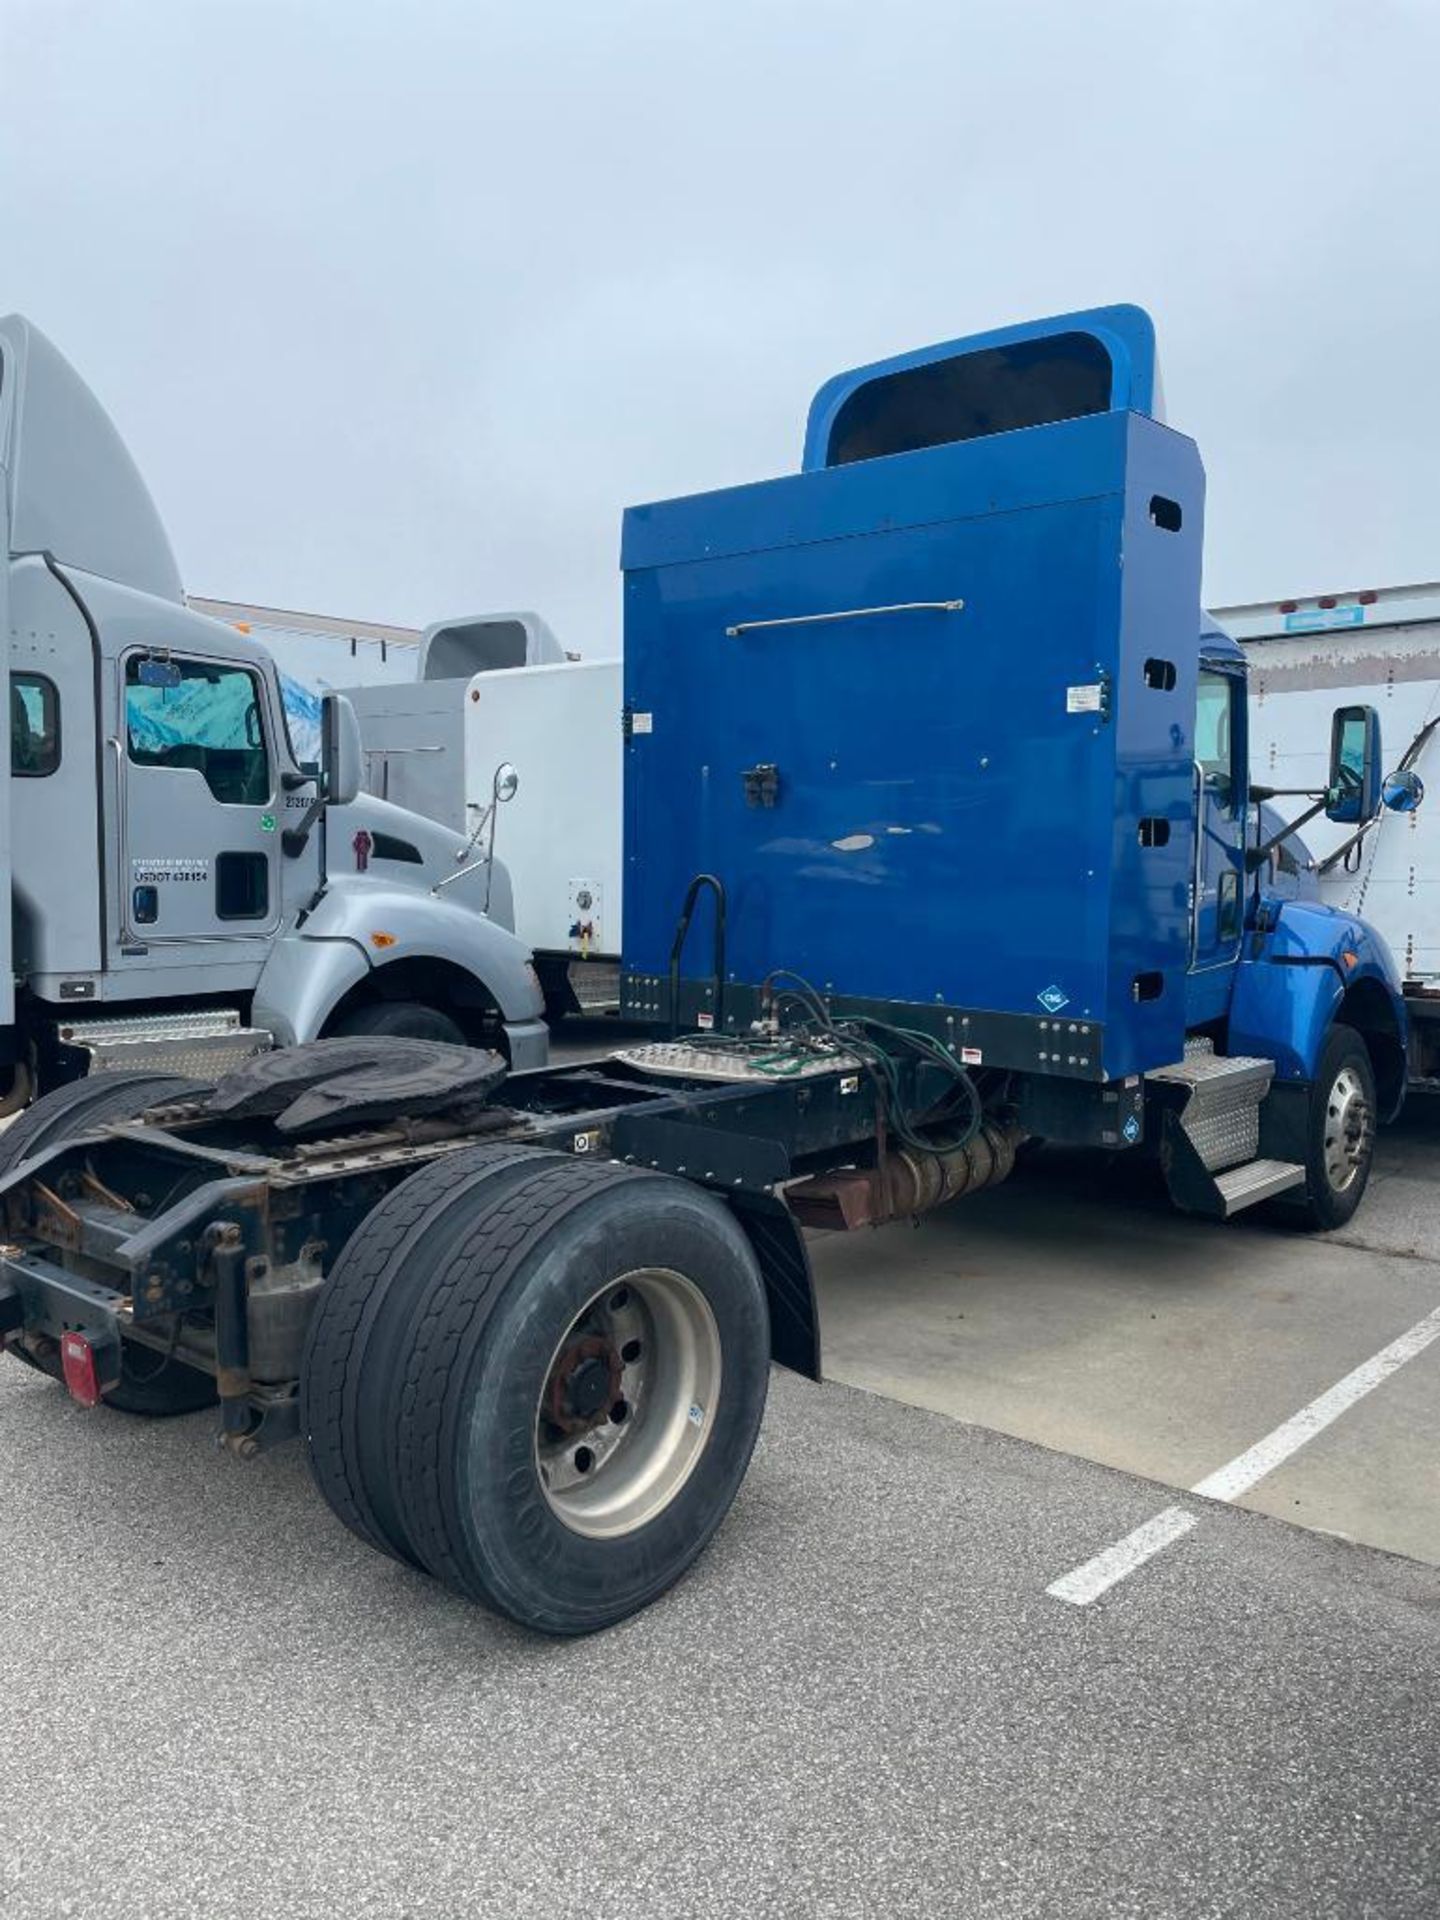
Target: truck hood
(411,851)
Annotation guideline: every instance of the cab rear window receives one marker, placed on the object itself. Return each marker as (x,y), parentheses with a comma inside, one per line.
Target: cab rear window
(34,726)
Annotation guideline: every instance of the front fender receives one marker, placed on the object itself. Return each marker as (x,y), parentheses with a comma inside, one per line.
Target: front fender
(363,925)
(301,983)
(1296,976)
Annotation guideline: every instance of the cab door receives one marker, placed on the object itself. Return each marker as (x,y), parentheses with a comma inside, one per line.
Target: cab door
(198,801)
(1217,894)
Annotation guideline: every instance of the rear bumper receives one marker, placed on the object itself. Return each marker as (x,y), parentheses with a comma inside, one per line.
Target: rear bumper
(39,1299)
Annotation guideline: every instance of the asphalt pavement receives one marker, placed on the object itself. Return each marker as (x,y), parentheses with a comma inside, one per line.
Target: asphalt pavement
(862,1701)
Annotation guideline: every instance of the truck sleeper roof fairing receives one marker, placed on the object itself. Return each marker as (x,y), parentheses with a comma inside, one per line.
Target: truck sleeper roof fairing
(1096,361)
(74,491)
(928,713)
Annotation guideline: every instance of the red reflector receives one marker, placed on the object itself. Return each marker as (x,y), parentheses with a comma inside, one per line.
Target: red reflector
(1288,606)
(77,1363)
(1368,598)
(1326,600)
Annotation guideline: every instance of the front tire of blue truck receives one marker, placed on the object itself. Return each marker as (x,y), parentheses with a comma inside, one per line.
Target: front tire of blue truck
(1340,1133)
(571,1403)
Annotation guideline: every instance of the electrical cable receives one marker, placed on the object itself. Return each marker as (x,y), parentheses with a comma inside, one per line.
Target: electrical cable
(816,1035)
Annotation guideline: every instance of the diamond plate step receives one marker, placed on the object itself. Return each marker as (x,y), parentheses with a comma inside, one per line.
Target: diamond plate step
(204,1044)
(756,1060)
(595,985)
(1222,1102)
(1257,1180)
(1218,1083)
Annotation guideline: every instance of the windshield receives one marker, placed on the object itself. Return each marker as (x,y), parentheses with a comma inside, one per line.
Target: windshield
(301,707)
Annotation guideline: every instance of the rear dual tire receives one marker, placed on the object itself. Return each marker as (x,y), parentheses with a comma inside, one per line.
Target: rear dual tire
(540,1380)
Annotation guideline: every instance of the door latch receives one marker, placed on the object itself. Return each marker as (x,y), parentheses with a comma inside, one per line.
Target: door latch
(762,784)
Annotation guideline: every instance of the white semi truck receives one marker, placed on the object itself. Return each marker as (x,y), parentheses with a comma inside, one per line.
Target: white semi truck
(186,888)
(1379,647)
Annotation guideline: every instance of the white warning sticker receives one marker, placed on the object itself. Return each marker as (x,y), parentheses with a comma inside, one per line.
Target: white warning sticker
(1083,699)
(972,1057)
(642,723)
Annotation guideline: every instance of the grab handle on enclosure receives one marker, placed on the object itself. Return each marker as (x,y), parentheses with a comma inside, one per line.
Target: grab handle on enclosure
(849,613)
(682,931)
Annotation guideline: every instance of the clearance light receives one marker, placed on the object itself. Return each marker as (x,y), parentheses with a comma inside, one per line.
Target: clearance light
(382,940)
(77,1363)
(1350,959)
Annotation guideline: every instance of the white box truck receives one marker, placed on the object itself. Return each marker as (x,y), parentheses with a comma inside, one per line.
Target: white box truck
(518,701)
(1379,647)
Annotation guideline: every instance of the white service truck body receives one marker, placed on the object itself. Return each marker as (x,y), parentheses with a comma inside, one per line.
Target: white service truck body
(561,837)
(1381,648)
(437,745)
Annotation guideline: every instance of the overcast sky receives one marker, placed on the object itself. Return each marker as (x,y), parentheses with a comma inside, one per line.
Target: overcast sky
(399,305)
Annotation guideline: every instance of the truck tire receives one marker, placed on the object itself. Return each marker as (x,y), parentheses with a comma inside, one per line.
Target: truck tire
(150,1384)
(581,1388)
(83,1104)
(358,1328)
(400,1020)
(1340,1141)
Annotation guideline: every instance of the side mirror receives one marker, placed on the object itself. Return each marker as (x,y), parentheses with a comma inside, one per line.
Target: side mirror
(342,756)
(507,782)
(1403,790)
(1353,790)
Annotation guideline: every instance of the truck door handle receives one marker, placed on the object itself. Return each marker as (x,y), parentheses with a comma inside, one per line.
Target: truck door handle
(849,613)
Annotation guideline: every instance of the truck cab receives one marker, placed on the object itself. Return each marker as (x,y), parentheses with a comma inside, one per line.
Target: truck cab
(185,891)
(940,723)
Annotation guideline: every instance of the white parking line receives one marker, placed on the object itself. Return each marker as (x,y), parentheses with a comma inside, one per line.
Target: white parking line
(1088,1582)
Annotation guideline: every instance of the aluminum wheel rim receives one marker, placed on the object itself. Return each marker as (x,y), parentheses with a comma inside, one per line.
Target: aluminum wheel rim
(1347,1130)
(628,1403)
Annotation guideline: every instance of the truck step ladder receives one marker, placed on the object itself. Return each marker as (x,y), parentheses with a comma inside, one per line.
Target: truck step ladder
(205,1044)
(1210,1144)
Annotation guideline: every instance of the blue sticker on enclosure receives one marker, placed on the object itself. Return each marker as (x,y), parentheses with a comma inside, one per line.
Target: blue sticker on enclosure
(1131,1129)
(1053,999)
(1318,619)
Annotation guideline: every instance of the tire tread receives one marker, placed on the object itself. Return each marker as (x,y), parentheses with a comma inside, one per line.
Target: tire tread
(460,1296)
(333,1401)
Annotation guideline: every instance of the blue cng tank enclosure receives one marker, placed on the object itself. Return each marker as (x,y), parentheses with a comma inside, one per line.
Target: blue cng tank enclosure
(925,709)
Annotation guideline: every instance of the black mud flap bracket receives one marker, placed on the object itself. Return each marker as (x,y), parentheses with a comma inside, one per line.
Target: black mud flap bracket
(747,1172)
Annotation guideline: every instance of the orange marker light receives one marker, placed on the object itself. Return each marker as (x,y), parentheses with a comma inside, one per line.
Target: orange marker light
(382,939)
(1350,959)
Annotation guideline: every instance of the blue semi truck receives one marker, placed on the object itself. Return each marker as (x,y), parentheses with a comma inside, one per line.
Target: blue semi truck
(939,837)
